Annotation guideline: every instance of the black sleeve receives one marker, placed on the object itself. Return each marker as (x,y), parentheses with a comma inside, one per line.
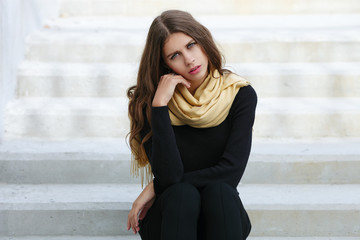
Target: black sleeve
(162,151)
(232,164)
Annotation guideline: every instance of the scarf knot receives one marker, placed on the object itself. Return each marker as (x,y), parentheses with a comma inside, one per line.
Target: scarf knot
(210,104)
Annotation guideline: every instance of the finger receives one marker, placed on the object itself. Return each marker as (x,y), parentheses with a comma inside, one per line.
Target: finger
(133,228)
(183,81)
(175,79)
(170,76)
(129,221)
(134,223)
(178,78)
(186,83)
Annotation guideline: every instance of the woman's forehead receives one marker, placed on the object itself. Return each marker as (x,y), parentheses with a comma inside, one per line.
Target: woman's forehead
(175,41)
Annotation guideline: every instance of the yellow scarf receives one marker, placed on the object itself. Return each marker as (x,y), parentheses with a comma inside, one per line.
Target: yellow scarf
(210,104)
(208,107)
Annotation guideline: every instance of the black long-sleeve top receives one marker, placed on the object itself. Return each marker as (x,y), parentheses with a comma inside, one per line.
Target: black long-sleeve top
(201,155)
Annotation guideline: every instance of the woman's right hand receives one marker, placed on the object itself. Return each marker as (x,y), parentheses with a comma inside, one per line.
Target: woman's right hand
(140,207)
(166,88)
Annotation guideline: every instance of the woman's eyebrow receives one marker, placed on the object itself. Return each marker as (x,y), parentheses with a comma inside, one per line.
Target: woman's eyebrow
(178,50)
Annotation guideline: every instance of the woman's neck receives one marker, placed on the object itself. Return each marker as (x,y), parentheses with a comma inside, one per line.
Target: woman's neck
(196,85)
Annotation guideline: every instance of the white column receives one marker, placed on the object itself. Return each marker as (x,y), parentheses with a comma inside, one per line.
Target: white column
(17,19)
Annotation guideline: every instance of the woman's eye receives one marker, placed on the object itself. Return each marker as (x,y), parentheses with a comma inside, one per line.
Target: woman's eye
(173,56)
(191,44)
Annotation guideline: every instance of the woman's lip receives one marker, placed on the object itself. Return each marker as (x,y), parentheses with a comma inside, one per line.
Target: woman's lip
(195,69)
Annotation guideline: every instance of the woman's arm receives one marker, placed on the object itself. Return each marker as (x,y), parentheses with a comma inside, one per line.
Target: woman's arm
(161,149)
(140,207)
(232,164)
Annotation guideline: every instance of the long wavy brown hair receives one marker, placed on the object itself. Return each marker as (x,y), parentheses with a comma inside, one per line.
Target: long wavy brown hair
(152,67)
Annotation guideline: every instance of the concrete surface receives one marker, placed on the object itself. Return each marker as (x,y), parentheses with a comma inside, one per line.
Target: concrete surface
(101,209)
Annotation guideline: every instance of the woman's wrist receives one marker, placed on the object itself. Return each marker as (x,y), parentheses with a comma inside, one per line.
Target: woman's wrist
(159,103)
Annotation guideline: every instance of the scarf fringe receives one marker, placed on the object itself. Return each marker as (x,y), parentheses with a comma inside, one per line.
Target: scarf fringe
(143,171)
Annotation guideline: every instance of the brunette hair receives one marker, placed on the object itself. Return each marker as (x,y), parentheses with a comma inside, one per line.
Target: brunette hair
(152,67)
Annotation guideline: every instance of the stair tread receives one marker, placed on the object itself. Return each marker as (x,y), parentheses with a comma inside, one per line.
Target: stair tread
(77,69)
(284,105)
(113,7)
(211,21)
(288,105)
(58,79)
(67,149)
(61,106)
(131,237)
(114,196)
(137,38)
(135,237)
(260,146)
(307,147)
(130,69)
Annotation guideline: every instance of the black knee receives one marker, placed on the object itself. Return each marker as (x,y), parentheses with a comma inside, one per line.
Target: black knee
(184,196)
(218,189)
(221,206)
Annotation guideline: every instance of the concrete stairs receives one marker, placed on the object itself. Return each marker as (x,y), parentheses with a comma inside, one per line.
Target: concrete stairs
(64,167)
(304,189)
(99,209)
(71,8)
(84,59)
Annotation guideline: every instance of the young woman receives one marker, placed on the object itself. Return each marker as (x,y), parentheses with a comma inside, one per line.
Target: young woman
(191,129)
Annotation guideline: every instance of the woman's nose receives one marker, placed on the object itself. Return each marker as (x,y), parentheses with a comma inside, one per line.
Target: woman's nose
(188,58)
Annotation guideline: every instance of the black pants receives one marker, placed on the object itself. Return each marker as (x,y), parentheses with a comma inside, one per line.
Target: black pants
(182,212)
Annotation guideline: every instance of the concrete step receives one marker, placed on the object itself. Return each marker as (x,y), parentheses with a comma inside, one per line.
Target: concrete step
(101,210)
(142,7)
(56,118)
(290,161)
(303,80)
(90,210)
(307,117)
(119,237)
(71,161)
(285,161)
(212,22)
(58,79)
(281,40)
(137,237)
(302,238)
(67,118)
(37,79)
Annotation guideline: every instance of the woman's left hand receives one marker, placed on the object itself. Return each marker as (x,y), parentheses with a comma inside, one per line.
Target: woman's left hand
(140,207)
(166,87)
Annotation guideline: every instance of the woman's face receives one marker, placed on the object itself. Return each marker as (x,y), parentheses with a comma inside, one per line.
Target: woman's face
(186,57)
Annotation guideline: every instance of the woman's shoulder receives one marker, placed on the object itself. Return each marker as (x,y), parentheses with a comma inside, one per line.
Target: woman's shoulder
(247,92)
(245,97)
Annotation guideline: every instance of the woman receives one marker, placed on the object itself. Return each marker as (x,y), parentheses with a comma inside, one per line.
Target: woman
(191,128)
